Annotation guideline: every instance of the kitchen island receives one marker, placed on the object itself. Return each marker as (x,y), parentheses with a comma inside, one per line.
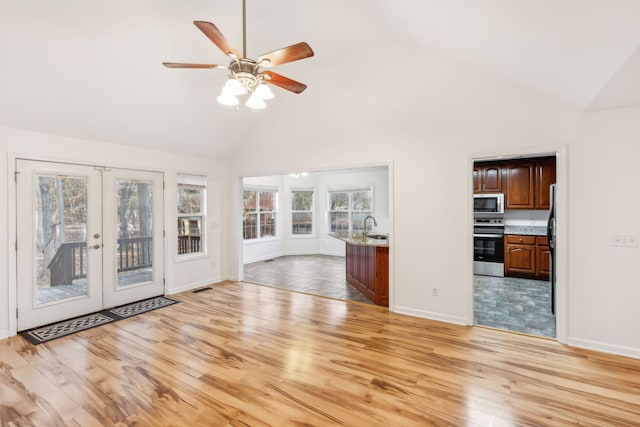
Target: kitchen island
(367,267)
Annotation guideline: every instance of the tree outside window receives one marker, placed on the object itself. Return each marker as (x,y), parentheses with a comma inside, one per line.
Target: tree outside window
(260,214)
(191,216)
(301,212)
(348,209)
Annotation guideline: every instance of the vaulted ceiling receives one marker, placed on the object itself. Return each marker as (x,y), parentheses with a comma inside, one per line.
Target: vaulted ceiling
(92,69)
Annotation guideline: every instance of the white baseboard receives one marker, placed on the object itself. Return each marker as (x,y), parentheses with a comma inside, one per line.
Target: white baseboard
(292,253)
(430,315)
(191,286)
(261,258)
(4,334)
(604,347)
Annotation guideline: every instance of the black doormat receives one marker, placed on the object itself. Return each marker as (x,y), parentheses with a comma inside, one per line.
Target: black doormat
(67,327)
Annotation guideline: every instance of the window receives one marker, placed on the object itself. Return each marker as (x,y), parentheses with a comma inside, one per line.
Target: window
(347,210)
(260,213)
(191,213)
(301,212)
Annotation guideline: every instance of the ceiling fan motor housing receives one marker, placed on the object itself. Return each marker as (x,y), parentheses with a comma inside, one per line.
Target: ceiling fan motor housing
(245,70)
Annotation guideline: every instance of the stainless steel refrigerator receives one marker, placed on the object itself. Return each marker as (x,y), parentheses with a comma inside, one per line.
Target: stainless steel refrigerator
(551,236)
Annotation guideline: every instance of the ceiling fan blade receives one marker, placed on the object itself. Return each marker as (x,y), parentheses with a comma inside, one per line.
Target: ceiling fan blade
(181,65)
(287,54)
(215,35)
(284,82)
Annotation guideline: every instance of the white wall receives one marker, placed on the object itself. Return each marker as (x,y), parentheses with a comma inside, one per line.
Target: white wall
(321,182)
(605,200)
(180,275)
(430,134)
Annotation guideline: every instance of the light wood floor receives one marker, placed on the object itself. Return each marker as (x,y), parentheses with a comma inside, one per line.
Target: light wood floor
(243,354)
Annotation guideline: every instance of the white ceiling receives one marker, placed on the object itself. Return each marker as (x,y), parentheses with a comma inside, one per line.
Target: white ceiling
(92,69)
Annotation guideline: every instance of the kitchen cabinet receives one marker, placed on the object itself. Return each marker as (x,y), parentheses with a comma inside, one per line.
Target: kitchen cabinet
(487,178)
(368,271)
(525,183)
(543,258)
(520,178)
(520,255)
(527,256)
(545,176)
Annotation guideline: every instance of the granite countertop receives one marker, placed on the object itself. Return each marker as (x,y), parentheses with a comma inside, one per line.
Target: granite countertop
(358,240)
(526,230)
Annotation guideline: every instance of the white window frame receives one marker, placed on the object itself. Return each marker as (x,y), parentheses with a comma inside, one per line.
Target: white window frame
(258,213)
(350,211)
(192,181)
(312,211)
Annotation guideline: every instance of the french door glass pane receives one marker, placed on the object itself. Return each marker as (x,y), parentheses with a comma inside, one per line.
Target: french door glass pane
(61,238)
(134,246)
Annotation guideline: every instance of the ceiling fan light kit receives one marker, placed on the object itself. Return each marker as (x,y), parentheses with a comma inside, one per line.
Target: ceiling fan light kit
(245,75)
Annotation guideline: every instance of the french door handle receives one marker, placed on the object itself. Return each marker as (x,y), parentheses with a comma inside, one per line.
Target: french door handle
(96,246)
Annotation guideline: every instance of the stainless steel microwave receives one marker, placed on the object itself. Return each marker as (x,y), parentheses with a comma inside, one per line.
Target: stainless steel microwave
(488,204)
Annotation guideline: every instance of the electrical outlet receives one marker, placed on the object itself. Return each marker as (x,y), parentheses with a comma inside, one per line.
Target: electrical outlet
(625,240)
(435,292)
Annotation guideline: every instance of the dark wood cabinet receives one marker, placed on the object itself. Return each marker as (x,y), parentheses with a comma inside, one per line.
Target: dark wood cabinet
(525,183)
(368,271)
(487,178)
(527,256)
(520,255)
(545,176)
(520,178)
(543,258)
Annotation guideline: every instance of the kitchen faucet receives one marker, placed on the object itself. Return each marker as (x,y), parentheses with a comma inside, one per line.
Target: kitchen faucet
(364,232)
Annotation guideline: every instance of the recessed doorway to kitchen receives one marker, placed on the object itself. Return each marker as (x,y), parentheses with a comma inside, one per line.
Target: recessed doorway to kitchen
(289,220)
(514,215)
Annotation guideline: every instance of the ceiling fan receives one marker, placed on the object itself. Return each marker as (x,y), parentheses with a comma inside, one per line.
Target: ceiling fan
(246,74)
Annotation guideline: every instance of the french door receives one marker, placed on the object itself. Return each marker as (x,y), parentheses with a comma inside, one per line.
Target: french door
(89,238)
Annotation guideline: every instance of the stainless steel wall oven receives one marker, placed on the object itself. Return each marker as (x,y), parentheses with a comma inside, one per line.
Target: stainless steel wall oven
(488,246)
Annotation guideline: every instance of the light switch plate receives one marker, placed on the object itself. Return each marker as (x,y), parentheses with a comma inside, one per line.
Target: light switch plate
(625,240)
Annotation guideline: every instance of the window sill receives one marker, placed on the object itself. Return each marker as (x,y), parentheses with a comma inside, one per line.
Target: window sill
(258,241)
(191,257)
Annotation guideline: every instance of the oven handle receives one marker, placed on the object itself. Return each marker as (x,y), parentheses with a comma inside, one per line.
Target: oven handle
(488,235)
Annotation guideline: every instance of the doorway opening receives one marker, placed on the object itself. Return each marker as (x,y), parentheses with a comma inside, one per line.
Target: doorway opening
(514,243)
(288,219)
(89,238)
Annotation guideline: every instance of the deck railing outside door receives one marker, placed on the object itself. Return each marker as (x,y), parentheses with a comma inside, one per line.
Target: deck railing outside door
(68,264)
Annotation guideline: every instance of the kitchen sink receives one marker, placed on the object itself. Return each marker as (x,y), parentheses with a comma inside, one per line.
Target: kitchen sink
(378,236)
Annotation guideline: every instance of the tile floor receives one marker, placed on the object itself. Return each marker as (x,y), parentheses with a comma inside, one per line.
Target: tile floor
(313,274)
(519,305)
